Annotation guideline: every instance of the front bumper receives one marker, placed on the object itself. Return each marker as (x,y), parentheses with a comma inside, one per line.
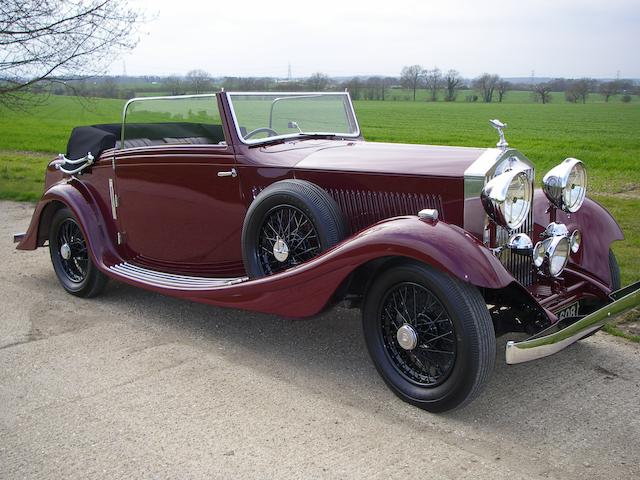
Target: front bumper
(553,340)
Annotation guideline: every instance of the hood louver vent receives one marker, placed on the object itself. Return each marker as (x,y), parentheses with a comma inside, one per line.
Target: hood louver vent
(364,208)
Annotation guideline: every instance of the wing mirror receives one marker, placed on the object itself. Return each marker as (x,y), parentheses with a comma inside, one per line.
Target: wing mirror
(293,124)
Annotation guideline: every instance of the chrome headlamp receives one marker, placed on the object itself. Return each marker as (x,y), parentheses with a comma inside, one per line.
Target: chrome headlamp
(507,198)
(552,254)
(565,185)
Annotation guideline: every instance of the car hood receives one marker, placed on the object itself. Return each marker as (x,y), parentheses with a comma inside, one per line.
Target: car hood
(374,157)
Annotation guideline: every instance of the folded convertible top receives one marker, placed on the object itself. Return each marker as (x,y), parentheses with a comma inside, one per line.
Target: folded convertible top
(94,139)
(98,138)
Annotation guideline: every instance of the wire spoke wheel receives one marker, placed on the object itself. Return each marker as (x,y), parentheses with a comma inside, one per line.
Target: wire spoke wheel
(73,255)
(69,252)
(286,238)
(418,334)
(288,223)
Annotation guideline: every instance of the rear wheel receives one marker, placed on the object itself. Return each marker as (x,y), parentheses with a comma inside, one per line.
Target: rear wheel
(70,257)
(430,336)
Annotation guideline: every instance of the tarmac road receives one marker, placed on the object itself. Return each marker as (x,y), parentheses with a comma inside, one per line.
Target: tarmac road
(136,385)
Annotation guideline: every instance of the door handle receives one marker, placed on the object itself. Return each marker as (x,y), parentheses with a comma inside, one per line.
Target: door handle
(230,173)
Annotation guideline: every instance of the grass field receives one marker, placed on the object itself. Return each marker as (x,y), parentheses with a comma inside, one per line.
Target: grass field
(605,136)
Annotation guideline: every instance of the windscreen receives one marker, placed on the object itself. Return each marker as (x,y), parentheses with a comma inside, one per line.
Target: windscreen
(267,116)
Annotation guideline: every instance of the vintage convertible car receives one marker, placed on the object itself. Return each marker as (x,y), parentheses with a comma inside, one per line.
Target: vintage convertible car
(275,203)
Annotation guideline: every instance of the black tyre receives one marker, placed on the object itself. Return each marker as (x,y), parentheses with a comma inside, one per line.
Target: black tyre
(70,257)
(614,269)
(430,336)
(289,223)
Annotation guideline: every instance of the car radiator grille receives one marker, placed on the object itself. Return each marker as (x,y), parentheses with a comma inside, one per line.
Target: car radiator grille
(520,266)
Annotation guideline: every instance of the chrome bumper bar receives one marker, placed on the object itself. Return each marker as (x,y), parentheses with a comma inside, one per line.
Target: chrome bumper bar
(545,343)
(17,237)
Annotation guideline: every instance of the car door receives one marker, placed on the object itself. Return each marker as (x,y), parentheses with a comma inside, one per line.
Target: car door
(179,202)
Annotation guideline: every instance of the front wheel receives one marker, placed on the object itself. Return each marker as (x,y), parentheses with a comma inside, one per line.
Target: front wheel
(430,336)
(70,257)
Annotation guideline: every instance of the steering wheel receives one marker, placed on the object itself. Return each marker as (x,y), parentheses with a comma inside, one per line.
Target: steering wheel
(268,130)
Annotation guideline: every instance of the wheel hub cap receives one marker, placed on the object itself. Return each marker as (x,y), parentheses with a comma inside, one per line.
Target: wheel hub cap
(280,250)
(407,337)
(65,251)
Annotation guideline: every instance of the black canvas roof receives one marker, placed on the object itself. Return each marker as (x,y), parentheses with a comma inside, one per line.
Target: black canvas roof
(98,138)
(94,139)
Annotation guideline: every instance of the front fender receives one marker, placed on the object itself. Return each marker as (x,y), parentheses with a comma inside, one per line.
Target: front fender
(444,246)
(599,230)
(305,290)
(74,195)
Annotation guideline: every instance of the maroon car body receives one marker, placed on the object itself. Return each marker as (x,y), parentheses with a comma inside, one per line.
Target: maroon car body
(160,217)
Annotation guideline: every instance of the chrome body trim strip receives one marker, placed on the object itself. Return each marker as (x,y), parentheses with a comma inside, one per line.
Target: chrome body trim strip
(545,343)
(112,195)
(170,280)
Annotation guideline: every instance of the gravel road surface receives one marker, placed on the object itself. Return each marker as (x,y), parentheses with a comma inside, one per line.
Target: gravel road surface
(136,385)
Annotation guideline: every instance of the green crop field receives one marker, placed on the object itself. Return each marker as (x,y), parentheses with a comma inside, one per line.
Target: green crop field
(606,136)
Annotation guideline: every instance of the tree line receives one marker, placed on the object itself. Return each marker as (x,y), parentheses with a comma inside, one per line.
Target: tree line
(492,87)
(439,86)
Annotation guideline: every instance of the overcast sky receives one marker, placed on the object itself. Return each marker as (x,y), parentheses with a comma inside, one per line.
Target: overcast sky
(570,38)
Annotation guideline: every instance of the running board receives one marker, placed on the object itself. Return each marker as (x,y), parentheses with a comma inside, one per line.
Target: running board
(169,280)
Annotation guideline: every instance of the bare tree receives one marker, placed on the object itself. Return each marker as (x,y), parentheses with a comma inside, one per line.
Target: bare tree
(174,84)
(318,82)
(411,77)
(433,81)
(502,87)
(106,88)
(578,90)
(48,41)
(386,83)
(452,81)
(541,92)
(199,81)
(486,83)
(354,86)
(609,89)
(373,85)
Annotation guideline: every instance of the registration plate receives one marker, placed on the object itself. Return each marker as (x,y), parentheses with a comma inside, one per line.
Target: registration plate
(572,310)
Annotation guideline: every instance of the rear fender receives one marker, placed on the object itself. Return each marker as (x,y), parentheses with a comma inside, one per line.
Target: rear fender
(74,195)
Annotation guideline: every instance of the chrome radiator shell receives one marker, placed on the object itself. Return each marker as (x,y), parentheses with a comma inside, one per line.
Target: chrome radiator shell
(476,221)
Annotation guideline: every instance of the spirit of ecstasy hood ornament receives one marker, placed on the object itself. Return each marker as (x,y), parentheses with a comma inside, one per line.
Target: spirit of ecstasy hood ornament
(498,125)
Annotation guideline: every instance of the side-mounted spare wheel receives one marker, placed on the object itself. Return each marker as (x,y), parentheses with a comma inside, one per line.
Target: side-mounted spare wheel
(289,223)
(70,257)
(430,336)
